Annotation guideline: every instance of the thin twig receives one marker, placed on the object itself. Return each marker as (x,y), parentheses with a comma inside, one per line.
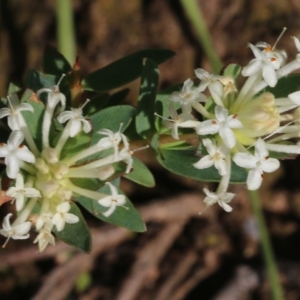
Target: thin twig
(148,260)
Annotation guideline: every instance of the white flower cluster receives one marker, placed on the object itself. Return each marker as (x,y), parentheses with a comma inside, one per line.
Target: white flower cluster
(240,125)
(44,179)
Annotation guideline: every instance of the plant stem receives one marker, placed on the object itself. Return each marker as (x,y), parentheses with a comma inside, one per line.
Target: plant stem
(193,12)
(65,29)
(268,254)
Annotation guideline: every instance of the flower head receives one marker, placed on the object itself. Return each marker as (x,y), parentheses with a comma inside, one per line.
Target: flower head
(15,153)
(16,232)
(223,124)
(19,192)
(112,201)
(44,238)
(266,62)
(184,120)
(258,163)
(63,216)
(187,96)
(15,119)
(216,156)
(221,198)
(76,121)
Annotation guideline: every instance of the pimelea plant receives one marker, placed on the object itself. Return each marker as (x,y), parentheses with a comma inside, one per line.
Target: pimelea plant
(66,152)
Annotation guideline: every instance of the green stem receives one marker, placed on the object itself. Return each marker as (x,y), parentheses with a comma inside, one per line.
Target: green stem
(193,12)
(65,30)
(268,254)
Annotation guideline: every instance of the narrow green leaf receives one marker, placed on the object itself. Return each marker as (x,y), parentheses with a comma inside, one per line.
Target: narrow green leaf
(78,234)
(54,62)
(181,163)
(141,174)
(144,122)
(123,70)
(285,86)
(127,217)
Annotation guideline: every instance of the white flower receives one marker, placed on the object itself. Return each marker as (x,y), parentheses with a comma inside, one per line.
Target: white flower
(188,95)
(44,220)
(266,62)
(15,153)
(112,140)
(54,95)
(258,163)
(216,156)
(17,232)
(185,120)
(63,216)
(13,113)
(19,192)
(112,201)
(44,238)
(221,125)
(222,199)
(76,120)
(210,81)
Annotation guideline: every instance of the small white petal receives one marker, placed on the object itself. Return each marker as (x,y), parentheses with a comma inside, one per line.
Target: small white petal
(254,179)
(245,160)
(65,116)
(269,75)
(71,218)
(4,112)
(270,165)
(106,201)
(228,137)
(75,127)
(252,68)
(63,207)
(208,127)
(204,162)
(295,97)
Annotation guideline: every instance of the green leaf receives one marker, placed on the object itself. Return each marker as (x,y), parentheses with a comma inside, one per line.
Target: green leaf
(76,144)
(13,88)
(123,70)
(144,122)
(96,104)
(232,70)
(180,162)
(78,234)
(127,217)
(285,86)
(141,174)
(36,80)
(54,62)
(118,97)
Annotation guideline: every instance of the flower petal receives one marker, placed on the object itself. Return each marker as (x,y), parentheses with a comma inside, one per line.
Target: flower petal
(254,179)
